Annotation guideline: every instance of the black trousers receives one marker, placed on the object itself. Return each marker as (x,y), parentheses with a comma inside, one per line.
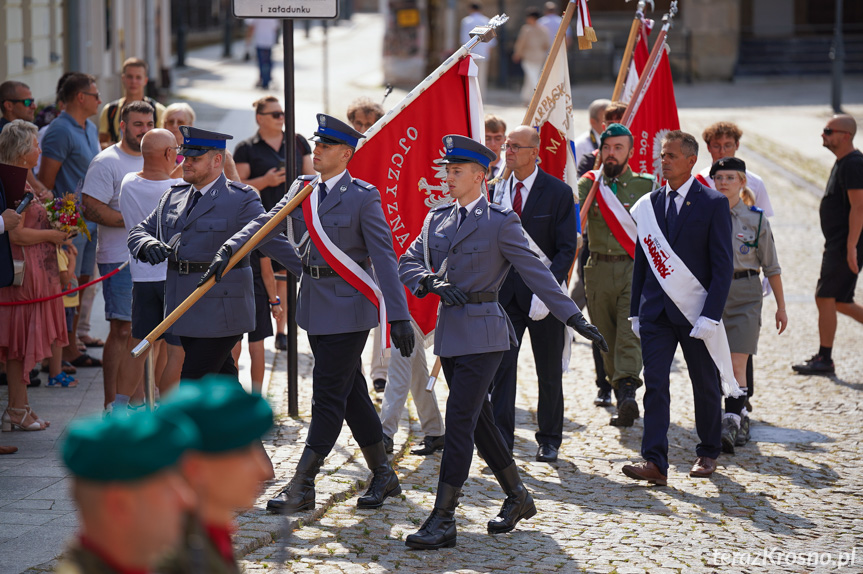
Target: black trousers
(208,356)
(547,338)
(340,393)
(469,417)
(659,340)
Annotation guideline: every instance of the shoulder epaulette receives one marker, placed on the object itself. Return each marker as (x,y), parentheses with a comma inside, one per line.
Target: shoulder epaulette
(441,207)
(363,184)
(647,176)
(756,209)
(499,208)
(307,177)
(181,184)
(239,186)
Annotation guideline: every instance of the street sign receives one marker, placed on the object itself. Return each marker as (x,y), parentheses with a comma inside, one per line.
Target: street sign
(293,9)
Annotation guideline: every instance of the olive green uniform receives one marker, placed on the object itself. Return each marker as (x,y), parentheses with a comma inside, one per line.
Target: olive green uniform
(608,278)
(198,554)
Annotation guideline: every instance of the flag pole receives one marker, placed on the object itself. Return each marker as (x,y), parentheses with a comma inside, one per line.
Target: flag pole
(559,37)
(479,34)
(637,96)
(634,31)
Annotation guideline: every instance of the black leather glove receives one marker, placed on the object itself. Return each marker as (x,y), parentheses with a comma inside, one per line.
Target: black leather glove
(588,331)
(154,252)
(218,265)
(448,293)
(402,335)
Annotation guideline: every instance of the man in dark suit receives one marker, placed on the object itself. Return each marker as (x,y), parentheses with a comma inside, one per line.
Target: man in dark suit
(696,223)
(9,220)
(547,211)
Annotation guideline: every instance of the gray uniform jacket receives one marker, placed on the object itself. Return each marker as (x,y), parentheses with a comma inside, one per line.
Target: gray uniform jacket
(353,219)
(229,307)
(479,256)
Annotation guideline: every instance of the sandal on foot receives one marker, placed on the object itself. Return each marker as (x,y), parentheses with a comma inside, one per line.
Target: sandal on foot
(85,360)
(92,342)
(62,380)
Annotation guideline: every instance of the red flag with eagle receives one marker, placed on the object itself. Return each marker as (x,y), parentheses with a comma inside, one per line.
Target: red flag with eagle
(657,113)
(402,152)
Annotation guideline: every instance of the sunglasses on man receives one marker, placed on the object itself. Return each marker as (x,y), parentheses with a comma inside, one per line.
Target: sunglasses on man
(831,131)
(27,102)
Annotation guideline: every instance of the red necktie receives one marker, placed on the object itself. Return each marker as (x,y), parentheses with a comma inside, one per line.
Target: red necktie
(516,199)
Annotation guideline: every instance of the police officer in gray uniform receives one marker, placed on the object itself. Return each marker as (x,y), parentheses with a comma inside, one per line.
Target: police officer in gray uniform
(336,315)
(463,255)
(190,223)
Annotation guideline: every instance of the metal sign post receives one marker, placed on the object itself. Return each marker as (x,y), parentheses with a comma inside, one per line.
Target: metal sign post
(288,11)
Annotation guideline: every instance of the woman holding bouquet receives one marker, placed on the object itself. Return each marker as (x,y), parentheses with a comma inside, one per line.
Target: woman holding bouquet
(34,331)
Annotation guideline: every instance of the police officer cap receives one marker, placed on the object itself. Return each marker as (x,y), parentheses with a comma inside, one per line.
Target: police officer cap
(728,164)
(461,149)
(614,130)
(227,416)
(197,142)
(125,449)
(333,131)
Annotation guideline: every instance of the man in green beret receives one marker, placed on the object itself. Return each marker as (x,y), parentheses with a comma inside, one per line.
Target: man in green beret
(130,497)
(226,470)
(608,272)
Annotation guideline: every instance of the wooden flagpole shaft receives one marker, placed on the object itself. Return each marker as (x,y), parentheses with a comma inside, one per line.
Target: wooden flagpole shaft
(559,37)
(434,374)
(627,58)
(253,241)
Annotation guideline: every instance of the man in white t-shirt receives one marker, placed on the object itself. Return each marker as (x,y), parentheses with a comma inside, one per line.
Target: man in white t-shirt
(723,140)
(140,194)
(101,199)
(483,49)
(264,33)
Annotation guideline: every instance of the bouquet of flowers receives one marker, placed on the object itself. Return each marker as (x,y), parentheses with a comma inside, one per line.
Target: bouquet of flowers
(64,213)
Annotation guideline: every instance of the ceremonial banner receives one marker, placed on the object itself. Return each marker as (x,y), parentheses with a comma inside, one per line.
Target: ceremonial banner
(553,120)
(657,113)
(401,157)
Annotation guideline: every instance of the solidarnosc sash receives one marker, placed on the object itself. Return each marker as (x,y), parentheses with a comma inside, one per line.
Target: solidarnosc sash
(347,268)
(682,288)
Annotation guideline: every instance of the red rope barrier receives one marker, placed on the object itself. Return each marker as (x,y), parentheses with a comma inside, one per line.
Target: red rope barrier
(64,293)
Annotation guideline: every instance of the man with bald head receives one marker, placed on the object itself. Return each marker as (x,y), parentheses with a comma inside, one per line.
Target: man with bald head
(841,222)
(547,211)
(139,196)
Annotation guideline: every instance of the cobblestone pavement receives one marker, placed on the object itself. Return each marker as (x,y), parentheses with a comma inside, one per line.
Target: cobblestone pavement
(794,489)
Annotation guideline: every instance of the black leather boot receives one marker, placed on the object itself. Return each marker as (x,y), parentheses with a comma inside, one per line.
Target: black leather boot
(299,495)
(627,406)
(438,531)
(384,480)
(518,504)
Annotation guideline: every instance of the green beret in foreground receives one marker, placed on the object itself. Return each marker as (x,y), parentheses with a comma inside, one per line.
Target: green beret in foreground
(614,130)
(125,449)
(227,417)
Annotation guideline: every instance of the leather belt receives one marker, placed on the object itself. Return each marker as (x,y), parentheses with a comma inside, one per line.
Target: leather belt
(187,267)
(611,258)
(744,274)
(482,297)
(322,271)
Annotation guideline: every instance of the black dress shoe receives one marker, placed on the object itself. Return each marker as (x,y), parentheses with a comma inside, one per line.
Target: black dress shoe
(430,445)
(817,365)
(546,453)
(603,398)
(281,342)
(35,381)
(380,385)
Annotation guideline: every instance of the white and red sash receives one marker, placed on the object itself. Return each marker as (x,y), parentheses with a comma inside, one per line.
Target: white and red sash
(703,181)
(619,220)
(347,268)
(682,287)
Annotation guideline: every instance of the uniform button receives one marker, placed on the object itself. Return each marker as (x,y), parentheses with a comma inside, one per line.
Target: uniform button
(184,243)
(452,268)
(455,250)
(226,292)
